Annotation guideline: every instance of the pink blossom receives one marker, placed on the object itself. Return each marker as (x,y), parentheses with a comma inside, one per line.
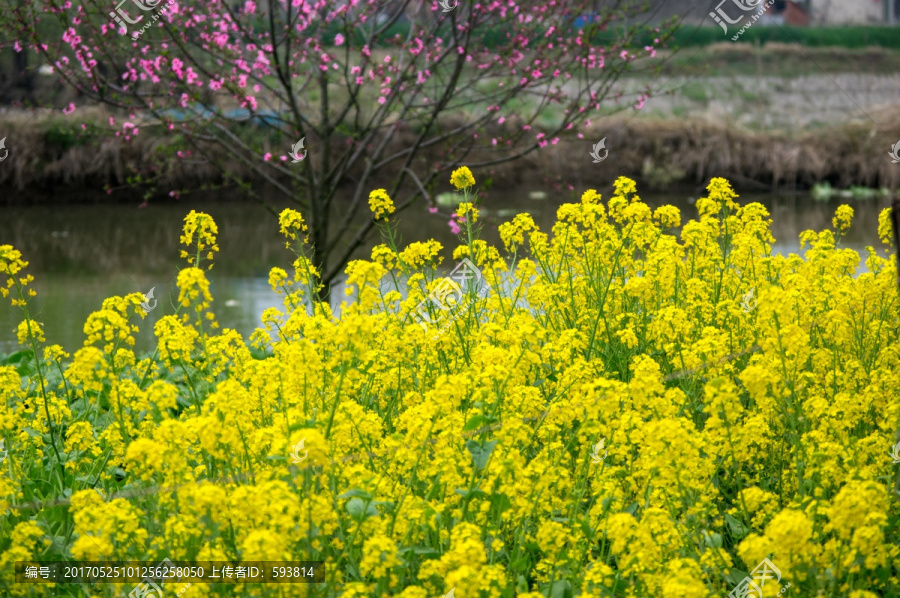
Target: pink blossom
(69,109)
(433,210)
(338,40)
(267,157)
(454,227)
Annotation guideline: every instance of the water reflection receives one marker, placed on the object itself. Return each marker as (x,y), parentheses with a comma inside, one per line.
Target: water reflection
(81,254)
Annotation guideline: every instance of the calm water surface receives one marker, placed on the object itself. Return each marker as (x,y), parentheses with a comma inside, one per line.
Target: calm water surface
(81,254)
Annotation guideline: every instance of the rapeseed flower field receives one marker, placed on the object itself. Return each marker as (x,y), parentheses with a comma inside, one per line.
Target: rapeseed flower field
(628,407)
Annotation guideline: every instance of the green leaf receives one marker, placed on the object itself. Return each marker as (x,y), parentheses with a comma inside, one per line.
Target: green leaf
(500,501)
(738,529)
(735,576)
(557,589)
(522,585)
(586,529)
(356,492)
(713,540)
(520,565)
(420,550)
(470,493)
(480,454)
(360,509)
(476,422)
(18,356)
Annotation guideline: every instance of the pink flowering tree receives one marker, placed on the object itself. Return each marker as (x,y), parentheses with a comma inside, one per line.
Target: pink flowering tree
(400,91)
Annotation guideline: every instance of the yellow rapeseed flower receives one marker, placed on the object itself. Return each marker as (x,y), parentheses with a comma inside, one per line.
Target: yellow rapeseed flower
(467,210)
(205,228)
(843,216)
(292,223)
(462,178)
(885,228)
(380,203)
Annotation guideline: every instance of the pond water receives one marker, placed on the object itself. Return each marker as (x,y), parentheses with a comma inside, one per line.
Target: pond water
(81,254)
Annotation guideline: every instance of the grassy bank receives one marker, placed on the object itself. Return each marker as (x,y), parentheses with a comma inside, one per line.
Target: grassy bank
(49,154)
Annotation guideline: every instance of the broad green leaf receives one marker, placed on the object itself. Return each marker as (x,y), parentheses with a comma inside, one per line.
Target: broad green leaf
(557,589)
(360,510)
(475,422)
(480,454)
(738,529)
(356,492)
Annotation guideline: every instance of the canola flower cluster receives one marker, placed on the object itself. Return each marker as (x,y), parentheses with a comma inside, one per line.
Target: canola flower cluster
(464,462)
